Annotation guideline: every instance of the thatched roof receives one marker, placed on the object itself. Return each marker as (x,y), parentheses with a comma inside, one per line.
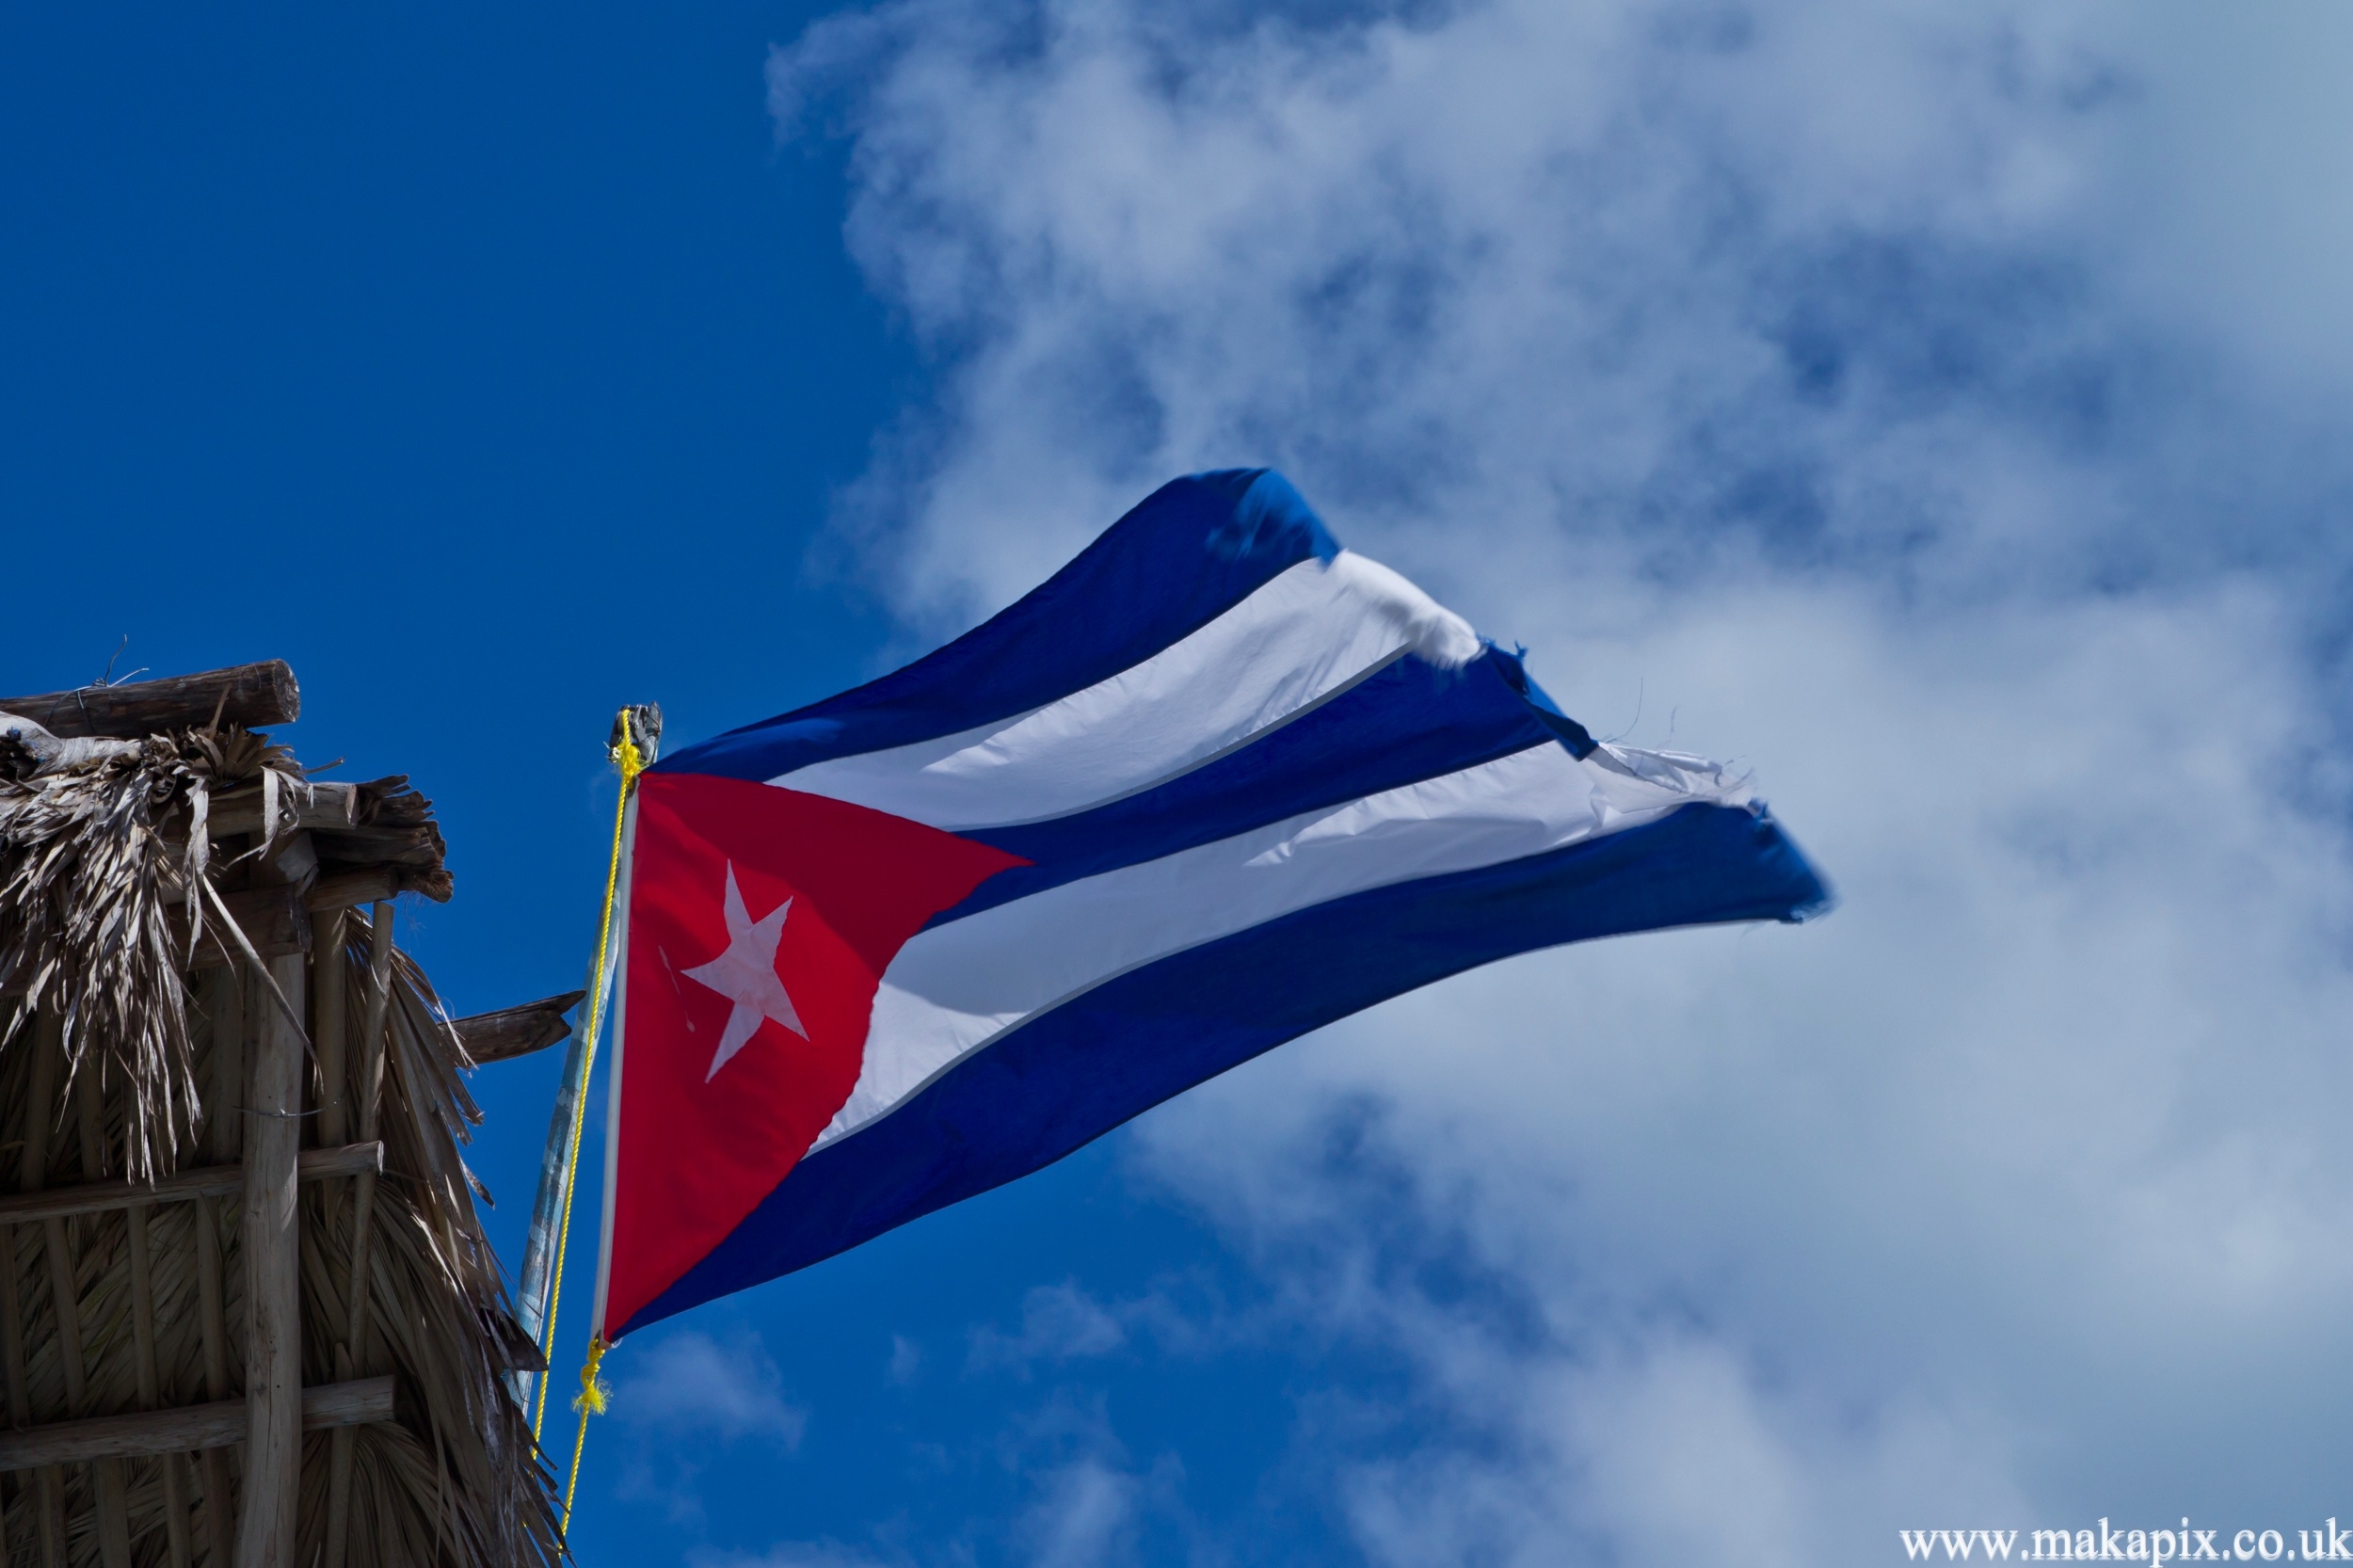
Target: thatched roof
(150,885)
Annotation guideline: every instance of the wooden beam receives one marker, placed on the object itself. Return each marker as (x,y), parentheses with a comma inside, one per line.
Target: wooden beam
(513,1032)
(350,890)
(335,891)
(331,805)
(277,920)
(188,1428)
(254,696)
(417,846)
(201,1181)
(272,919)
(272,1246)
(346,890)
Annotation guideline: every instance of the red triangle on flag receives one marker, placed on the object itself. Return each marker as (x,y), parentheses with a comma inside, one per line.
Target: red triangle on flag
(761,920)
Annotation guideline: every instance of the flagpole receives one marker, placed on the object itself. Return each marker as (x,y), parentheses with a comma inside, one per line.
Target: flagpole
(613,1078)
(537,1276)
(631,727)
(563,1151)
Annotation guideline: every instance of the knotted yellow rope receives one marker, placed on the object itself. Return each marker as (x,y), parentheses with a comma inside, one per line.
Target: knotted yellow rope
(592,1397)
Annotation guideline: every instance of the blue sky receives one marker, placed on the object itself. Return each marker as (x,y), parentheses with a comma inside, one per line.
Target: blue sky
(1939,409)
(371,347)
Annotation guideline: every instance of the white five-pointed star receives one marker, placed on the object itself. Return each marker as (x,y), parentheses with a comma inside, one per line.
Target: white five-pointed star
(745,974)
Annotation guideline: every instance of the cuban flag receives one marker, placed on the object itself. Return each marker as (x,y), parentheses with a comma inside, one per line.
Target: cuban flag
(1216,783)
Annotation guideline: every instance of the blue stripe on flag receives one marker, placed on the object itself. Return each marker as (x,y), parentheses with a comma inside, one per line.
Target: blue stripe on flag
(1193,550)
(1407,722)
(1073,1074)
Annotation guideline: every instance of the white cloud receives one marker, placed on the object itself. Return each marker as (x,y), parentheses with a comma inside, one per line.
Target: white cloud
(1863,387)
(688,1382)
(1089,1504)
(1064,1323)
(1086,1509)
(2226,201)
(789,1554)
(906,1361)
(1059,1322)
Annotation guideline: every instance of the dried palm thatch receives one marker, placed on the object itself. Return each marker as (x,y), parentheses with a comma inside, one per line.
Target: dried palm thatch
(119,1060)
(439,1313)
(89,879)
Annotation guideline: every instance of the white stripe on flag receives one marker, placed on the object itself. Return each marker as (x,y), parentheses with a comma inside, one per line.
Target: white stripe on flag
(1300,637)
(956,986)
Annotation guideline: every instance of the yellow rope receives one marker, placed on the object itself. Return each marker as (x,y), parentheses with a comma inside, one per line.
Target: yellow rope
(592,1399)
(631,762)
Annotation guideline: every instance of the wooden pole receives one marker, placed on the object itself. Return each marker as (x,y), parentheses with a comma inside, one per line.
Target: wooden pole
(226,1010)
(224,1124)
(12,1338)
(327,1022)
(12,1344)
(150,1384)
(273,1286)
(34,1168)
(220,1528)
(327,1029)
(109,1483)
(372,1045)
(64,1299)
(353,1351)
